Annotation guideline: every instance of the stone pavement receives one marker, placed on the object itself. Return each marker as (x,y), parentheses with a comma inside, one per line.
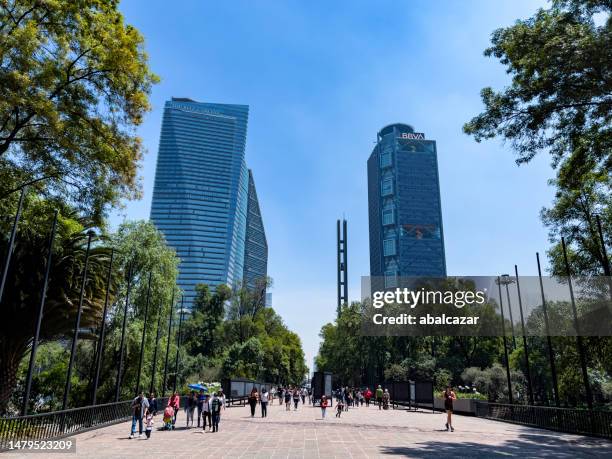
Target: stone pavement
(359,433)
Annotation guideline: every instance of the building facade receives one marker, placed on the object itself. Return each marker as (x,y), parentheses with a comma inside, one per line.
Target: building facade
(405,213)
(256,245)
(201,191)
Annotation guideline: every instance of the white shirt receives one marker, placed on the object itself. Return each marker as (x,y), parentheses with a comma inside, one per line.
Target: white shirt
(264,397)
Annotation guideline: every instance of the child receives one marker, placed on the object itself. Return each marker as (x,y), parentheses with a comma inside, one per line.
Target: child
(149,427)
(168,415)
(323,406)
(339,408)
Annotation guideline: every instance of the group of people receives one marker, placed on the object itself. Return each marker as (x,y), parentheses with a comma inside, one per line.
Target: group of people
(290,395)
(208,408)
(355,397)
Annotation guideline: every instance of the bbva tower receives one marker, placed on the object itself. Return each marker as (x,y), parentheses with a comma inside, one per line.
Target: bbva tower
(405,212)
(204,197)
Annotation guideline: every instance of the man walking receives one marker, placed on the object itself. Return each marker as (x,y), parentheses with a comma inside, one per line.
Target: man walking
(379,396)
(140,407)
(215,411)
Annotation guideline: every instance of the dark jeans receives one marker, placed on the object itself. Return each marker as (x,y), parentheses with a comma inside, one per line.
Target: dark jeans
(134,420)
(295,402)
(205,416)
(264,409)
(379,402)
(367,402)
(252,405)
(215,422)
(148,432)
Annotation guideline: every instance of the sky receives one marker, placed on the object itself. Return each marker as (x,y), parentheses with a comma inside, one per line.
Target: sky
(321,79)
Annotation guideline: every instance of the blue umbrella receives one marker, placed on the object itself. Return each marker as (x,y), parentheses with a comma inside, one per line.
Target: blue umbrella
(198,387)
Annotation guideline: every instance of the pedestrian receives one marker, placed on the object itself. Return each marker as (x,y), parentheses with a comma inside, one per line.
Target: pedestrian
(449,397)
(140,406)
(190,407)
(149,425)
(280,395)
(206,413)
(367,396)
(221,397)
(296,398)
(253,399)
(215,411)
(379,395)
(339,408)
(323,406)
(271,395)
(153,404)
(303,395)
(175,402)
(200,406)
(287,400)
(264,402)
(386,399)
(168,417)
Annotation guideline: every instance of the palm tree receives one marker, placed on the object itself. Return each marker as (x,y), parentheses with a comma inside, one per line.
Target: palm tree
(21,299)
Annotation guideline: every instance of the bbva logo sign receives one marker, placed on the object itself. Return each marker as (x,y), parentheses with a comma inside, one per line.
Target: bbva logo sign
(413,135)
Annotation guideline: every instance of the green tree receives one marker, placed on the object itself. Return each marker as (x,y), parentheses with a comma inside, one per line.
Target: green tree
(560,98)
(74,85)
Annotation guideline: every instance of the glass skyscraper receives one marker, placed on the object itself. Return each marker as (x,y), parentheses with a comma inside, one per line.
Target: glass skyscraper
(405,214)
(256,246)
(201,193)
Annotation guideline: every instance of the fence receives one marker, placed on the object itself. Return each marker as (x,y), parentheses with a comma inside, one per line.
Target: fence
(58,424)
(577,421)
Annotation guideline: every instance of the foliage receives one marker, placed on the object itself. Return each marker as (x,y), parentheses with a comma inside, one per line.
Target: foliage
(230,334)
(74,85)
(560,96)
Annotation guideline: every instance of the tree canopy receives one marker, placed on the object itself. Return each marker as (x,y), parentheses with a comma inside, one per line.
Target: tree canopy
(74,85)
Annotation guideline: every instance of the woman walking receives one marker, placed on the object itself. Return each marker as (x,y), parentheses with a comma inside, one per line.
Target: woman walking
(323,406)
(287,400)
(296,398)
(449,397)
(253,401)
(264,402)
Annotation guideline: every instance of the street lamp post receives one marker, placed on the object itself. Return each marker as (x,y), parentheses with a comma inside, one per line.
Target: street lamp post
(102,329)
(168,345)
(551,357)
(507,280)
(77,324)
(579,343)
(503,319)
(152,386)
(528,371)
(43,297)
(125,312)
(144,333)
(178,345)
(11,244)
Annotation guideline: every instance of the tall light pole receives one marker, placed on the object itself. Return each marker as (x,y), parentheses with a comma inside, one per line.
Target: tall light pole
(507,280)
(77,324)
(144,334)
(528,371)
(11,244)
(503,320)
(102,329)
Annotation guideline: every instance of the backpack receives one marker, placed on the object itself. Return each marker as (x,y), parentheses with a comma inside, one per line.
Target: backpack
(215,405)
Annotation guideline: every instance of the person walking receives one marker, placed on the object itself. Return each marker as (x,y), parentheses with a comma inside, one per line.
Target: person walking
(215,411)
(386,399)
(323,406)
(149,425)
(200,405)
(175,402)
(449,397)
(367,396)
(153,404)
(296,398)
(303,395)
(379,396)
(190,407)
(206,413)
(253,398)
(140,406)
(264,402)
(287,400)
(271,395)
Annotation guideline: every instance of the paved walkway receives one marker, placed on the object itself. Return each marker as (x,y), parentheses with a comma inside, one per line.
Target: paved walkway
(359,433)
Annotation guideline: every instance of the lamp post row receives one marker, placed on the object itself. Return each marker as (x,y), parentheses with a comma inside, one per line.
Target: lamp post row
(100,349)
(75,337)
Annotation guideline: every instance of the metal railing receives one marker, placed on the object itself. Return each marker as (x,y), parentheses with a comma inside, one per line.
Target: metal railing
(59,424)
(578,421)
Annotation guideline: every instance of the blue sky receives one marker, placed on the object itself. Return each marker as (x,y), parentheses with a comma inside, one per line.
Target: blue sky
(321,78)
